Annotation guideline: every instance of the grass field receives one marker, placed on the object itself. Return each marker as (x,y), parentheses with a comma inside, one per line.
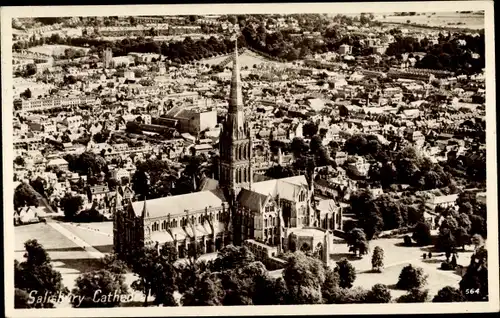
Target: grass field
(247,59)
(396,257)
(440,19)
(56,50)
(101,240)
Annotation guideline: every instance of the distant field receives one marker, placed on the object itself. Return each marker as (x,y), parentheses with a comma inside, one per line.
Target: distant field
(248,58)
(470,21)
(55,50)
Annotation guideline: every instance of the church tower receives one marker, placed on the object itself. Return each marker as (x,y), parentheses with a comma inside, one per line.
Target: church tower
(235,142)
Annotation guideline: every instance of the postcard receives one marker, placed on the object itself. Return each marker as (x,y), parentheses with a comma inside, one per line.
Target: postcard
(291,158)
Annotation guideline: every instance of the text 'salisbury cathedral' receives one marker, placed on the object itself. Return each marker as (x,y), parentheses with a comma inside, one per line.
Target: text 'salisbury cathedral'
(269,217)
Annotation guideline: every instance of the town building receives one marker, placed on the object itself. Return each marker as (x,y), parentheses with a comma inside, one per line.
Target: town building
(237,210)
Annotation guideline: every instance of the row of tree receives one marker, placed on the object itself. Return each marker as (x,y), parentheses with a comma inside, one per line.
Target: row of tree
(233,278)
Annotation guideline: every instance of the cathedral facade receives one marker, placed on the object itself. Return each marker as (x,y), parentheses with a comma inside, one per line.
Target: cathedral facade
(238,210)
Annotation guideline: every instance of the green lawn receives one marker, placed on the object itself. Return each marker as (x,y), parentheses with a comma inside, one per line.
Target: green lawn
(99,235)
(396,257)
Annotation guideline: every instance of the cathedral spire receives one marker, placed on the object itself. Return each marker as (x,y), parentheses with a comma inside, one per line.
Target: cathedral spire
(235,95)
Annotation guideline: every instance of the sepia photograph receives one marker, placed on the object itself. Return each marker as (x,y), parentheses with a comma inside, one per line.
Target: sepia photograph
(335,155)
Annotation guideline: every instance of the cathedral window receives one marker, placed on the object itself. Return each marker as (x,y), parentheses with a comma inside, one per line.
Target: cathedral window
(155,226)
(265,222)
(302,197)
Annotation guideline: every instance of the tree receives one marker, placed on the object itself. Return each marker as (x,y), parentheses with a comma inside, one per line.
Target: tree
(71,205)
(97,285)
(207,291)
(447,234)
(303,276)
(474,283)
(415,295)
(378,294)
(448,294)
(356,145)
(25,195)
(22,299)
(30,69)
(330,287)
(240,284)
(39,185)
(157,276)
(36,276)
(378,259)
(231,257)
(422,234)
(113,264)
(87,163)
(26,94)
(357,242)
(346,272)
(478,225)
(354,295)
(298,147)
(310,129)
(411,277)
(19,161)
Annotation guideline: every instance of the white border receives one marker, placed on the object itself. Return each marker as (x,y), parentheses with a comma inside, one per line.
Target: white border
(7,13)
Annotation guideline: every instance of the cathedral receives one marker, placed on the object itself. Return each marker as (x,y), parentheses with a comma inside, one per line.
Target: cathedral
(237,210)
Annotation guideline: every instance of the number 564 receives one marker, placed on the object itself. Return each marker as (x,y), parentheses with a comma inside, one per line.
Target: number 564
(472,291)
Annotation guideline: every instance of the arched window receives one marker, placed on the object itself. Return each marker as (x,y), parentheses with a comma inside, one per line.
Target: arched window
(245,179)
(265,222)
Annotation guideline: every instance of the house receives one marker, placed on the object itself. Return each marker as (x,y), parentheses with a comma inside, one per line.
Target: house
(98,192)
(119,174)
(345,49)
(73,122)
(58,163)
(361,165)
(339,157)
(26,215)
(443,201)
